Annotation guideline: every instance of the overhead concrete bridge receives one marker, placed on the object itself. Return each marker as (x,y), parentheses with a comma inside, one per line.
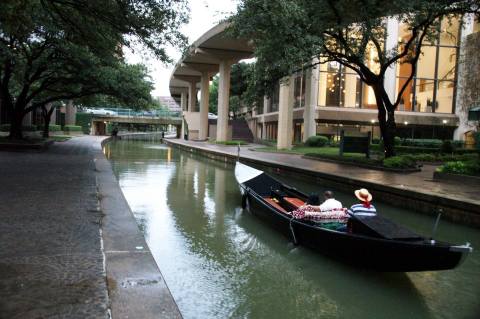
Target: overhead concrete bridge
(214,52)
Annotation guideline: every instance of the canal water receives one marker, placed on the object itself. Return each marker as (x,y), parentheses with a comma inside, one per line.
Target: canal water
(219,261)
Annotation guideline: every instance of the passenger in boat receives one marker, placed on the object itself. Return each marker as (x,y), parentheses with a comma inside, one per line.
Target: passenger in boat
(330,203)
(365,208)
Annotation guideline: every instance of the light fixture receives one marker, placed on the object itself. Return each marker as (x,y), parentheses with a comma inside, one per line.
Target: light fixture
(406,123)
(373,121)
(444,121)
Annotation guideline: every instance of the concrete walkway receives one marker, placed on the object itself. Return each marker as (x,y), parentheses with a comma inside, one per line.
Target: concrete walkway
(53,261)
(419,184)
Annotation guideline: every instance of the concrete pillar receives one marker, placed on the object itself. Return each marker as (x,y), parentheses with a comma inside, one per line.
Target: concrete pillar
(266,104)
(285,113)
(70,113)
(391,73)
(192,96)
(183,100)
(205,84)
(311,96)
(223,100)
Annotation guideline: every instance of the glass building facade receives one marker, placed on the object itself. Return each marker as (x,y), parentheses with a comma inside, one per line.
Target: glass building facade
(432,89)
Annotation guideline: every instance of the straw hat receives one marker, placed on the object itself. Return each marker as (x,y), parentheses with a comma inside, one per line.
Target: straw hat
(363,195)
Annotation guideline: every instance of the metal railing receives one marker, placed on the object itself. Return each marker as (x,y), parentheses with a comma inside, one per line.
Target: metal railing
(130,113)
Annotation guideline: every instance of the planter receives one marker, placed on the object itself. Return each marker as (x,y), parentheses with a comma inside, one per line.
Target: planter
(464,179)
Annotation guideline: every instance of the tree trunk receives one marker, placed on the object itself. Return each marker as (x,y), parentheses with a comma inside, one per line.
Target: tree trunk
(47,116)
(16,131)
(386,119)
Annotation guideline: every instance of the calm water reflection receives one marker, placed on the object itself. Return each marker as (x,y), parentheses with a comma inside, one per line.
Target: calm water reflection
(221,262)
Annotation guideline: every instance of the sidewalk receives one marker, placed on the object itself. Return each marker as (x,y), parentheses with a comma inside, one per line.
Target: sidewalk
(417,185)
(59,256)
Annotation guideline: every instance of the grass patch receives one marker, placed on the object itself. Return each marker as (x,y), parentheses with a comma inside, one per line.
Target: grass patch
(234,142)
(59,138)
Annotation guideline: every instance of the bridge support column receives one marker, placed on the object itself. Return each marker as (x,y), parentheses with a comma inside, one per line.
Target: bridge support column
(192,96)
(223,100)
(204,100)
(285,113)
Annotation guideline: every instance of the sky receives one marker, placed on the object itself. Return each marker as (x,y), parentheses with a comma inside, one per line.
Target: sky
(204,14)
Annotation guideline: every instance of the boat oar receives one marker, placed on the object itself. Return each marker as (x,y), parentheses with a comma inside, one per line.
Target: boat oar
(435,226)
(295,242)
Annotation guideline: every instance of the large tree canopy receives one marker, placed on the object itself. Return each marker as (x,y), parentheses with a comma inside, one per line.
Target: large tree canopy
(289,34)
(53,50)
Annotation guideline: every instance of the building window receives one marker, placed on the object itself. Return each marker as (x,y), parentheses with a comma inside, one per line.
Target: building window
(338,86)
(274,100)
(433,86)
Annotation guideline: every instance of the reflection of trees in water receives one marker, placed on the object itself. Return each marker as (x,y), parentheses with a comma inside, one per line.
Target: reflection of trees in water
(257,266)
(199,197)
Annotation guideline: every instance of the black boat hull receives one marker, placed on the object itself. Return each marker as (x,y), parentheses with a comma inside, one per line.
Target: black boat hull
(362,251)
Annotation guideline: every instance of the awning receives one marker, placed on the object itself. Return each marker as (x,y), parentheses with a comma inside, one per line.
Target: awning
(474,114)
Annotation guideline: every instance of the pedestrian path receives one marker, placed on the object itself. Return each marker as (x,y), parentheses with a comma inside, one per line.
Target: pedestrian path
(63,252)
(51,262)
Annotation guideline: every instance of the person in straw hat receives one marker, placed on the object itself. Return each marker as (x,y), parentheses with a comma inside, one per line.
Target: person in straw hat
(365,208)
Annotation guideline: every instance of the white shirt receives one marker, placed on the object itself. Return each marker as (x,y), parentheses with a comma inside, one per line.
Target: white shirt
(330,204)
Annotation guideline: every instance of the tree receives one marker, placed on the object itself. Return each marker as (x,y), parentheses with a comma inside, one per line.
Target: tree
(289,34)
(53,50)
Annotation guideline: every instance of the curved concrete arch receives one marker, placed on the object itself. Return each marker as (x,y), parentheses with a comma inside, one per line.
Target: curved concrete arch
(215,51)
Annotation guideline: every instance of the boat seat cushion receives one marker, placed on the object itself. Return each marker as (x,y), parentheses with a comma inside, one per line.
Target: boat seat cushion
(275,204)
(294,201)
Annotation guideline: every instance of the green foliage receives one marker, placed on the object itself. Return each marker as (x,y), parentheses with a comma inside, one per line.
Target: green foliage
(471,167)
(397,141)
(54,128)
(213,96)
(317,141)
(400,162)
(433,143)
(447,147)
(288,34)
(84,120)
(233,142)
(26,128)
(59,50)
(477,140)
(72,128)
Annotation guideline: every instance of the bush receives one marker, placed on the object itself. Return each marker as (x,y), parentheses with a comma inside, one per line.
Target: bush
(317,141)
(25,128)
(404,161)
(429,143)
(54,128)
(234,142)
(397,141)
(425,157)
(83,120)
(447,147)
(471,167)
(72,128)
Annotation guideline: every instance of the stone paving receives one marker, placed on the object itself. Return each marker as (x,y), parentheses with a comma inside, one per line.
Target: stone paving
(51,262)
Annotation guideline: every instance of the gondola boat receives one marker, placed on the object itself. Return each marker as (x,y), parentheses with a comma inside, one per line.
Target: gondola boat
(374,243)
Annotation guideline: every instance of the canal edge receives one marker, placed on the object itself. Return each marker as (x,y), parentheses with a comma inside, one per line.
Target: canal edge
(135,284)
(456,211)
